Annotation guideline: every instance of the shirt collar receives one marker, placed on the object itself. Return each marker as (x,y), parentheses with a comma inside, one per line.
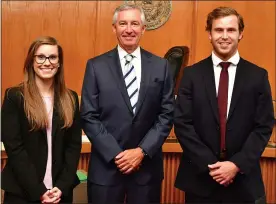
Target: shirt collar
(234,59)
(123,53)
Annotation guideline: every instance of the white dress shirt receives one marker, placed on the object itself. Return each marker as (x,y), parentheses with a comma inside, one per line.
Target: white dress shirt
(136,62)
(231,73)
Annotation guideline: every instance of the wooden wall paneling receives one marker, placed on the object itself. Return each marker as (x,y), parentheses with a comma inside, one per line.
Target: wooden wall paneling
(170,194)
(13,45)
(194,28)
(258,44)
(268,166)
(71,22)
(179,195)
(273,136)
(176,31)
(84,161)
(78,39)
(105,37)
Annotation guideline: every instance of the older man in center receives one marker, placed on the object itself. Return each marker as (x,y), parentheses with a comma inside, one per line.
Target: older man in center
(127,110)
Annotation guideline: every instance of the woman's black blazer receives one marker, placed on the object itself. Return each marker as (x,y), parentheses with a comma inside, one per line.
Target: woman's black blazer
(27,150)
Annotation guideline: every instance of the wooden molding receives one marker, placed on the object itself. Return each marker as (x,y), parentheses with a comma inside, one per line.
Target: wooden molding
(175,148)
(167,147)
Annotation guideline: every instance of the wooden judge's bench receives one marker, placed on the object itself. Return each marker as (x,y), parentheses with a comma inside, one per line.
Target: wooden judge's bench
(172,154)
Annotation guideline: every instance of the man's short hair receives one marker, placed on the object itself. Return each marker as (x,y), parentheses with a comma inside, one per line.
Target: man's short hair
(223,12)
(125,7)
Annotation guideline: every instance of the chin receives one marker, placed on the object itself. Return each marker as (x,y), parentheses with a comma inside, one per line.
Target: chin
(129,43)
(47,77)
(129,46)
(224,51)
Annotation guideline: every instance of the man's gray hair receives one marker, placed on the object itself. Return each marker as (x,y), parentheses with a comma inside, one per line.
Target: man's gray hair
(125,7)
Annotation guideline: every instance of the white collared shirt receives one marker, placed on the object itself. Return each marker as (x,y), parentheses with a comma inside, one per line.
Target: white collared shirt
(231,73)
(136,61)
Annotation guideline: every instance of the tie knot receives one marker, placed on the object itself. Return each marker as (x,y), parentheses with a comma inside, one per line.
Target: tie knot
(128,58)
(225,65)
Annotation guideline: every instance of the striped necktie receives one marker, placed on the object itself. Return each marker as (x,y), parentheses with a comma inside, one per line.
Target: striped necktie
(131,81)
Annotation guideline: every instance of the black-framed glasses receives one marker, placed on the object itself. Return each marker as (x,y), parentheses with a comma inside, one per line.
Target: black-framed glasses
(40,59)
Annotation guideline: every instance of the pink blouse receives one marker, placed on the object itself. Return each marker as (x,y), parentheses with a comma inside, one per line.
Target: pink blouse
(48,174)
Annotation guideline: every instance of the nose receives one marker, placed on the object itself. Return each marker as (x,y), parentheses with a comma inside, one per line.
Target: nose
(128,29)
(47,62)
(225,35)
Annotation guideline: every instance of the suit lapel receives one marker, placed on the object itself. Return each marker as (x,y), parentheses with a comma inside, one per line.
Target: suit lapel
(145,78)
(238,84)
(115,67)
(210,86)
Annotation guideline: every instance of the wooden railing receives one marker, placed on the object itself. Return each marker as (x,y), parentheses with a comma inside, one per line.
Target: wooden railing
(172,155)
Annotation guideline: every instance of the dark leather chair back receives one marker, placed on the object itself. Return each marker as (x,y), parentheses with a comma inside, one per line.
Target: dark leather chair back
(178,58)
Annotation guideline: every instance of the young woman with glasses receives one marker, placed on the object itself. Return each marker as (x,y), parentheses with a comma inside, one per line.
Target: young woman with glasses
(41,130)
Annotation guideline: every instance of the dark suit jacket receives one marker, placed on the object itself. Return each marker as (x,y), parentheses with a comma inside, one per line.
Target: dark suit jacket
(249,127)
(111,126)
(27,150)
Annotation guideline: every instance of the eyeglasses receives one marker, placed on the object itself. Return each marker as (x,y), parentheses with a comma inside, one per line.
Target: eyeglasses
(40,59)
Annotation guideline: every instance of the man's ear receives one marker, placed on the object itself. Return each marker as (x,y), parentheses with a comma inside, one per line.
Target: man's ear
(114,28)
(240,36)
(143,29)
(209,35)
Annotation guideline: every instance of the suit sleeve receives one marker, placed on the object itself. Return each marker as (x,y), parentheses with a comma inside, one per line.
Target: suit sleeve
(156,136)
(184,128)
(105,144)
(72,152)
(22,167)
(259,136)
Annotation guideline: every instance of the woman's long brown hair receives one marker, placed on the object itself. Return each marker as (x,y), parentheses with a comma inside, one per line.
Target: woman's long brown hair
(33,102)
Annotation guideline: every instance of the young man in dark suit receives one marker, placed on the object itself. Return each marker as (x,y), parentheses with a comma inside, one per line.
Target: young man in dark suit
(223,119)
(127,112)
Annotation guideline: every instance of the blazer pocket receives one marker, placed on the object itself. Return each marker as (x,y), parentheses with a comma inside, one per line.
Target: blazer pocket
(158,81)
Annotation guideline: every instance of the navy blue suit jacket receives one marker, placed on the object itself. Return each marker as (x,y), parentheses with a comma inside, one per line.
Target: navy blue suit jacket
(111,126)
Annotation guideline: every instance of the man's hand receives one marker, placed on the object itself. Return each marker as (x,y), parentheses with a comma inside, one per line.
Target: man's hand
(129,160)
(223,172)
